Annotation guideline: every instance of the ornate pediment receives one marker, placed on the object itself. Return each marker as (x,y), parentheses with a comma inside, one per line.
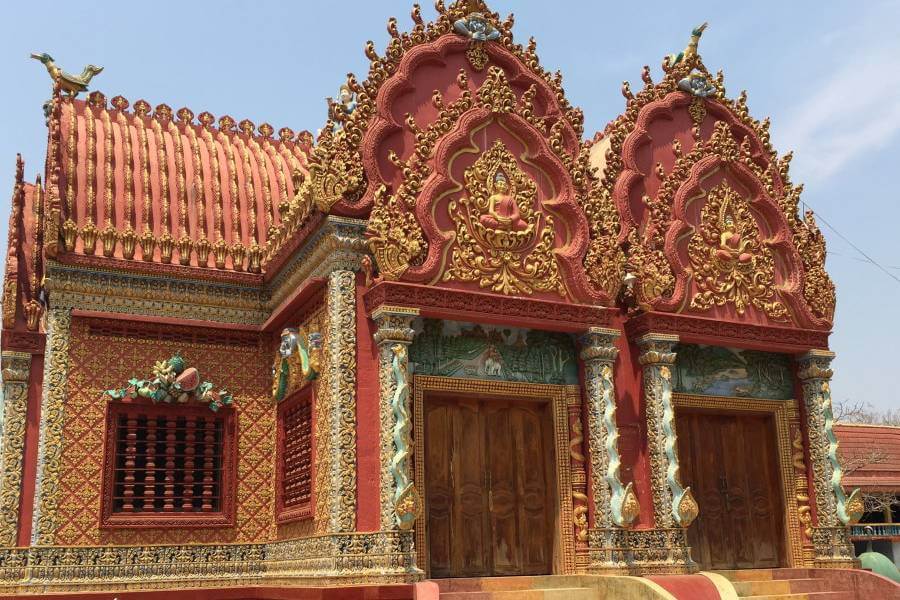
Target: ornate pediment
(490,197)
(676,141)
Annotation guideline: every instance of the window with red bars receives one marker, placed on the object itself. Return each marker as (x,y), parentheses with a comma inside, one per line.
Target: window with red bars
(295,457)
(168,465)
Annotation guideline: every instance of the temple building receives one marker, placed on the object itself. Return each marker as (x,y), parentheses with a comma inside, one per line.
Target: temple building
(871,457)
(450,336)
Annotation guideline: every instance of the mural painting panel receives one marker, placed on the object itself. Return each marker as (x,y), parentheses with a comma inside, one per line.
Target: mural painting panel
(718,371)
(476,351)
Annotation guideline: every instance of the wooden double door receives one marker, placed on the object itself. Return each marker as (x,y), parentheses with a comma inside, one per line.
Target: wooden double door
(731,463)
(490,487)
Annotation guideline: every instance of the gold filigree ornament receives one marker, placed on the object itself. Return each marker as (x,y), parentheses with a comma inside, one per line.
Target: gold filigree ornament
(395,237)
(730,264)
(503,243)
(687,508)
(477,56)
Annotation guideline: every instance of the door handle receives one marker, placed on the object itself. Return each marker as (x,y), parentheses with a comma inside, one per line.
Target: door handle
(723,490)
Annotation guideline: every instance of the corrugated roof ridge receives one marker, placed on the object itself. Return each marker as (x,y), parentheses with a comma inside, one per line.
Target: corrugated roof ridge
(261,172)
(185,116)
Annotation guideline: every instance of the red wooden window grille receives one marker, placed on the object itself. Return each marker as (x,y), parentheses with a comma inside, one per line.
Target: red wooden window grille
(168,465)
(294,474)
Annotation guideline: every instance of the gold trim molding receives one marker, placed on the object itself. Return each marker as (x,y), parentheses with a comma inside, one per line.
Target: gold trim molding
(317,561)
(16,368)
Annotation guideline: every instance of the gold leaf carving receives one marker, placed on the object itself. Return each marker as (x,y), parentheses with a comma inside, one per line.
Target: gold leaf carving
(503,243)
(394,235)
(730,263)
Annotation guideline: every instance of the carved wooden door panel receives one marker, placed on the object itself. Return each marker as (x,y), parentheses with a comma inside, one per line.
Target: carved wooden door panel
(730,461)
(488,488)
(457,499)
(753,491)
(700,454)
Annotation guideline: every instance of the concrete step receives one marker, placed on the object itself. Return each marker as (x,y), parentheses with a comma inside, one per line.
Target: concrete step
(778,586)
(526,582)
(809,596)
(763,574)
(540,594)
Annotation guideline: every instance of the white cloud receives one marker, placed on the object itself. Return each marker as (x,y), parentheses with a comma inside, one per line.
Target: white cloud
(853,110)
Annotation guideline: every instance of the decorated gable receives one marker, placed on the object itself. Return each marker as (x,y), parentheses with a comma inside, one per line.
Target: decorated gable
(709,215)
(468,160)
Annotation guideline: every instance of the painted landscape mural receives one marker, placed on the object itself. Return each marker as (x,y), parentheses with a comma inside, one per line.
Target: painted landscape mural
(718,371)
(454,349)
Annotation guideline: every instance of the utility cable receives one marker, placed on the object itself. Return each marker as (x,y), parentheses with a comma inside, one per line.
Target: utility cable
(868,258)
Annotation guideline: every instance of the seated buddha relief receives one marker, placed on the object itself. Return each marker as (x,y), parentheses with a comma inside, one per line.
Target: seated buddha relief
(504,241)
(502,209)
(500,201)
(732,245)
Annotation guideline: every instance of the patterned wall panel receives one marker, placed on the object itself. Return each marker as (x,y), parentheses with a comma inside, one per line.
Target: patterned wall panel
(101,360)
(315,320)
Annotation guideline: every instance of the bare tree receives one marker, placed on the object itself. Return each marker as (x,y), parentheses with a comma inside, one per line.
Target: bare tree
(847,411)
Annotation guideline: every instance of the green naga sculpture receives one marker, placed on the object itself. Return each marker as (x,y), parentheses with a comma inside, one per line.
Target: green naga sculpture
(298,359)
(72,84)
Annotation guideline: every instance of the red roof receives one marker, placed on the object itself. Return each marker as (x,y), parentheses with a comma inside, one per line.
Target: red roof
(133,170)
(857,443)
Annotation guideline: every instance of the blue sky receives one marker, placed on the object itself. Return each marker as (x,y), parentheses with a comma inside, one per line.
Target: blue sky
(824,71)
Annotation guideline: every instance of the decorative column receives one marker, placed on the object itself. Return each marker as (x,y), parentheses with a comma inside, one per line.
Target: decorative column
(400,501)
(674,507)
(614,505)
(341,339)
(16,367)
(50,444)
(835,510)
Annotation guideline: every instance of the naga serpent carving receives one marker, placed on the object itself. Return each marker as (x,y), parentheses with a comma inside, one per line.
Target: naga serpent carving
(804,512)
(407,501)
(849,508)
(624,502)
(684,507)
(579,513)
(298,360)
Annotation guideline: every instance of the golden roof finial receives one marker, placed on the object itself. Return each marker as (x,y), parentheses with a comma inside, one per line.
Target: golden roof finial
(73,84)
(689,54)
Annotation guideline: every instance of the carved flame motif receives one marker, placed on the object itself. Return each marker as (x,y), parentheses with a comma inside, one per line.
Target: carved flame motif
(730,264)
(503,242)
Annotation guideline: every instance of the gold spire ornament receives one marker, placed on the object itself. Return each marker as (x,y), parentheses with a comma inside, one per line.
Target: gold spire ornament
(73,84)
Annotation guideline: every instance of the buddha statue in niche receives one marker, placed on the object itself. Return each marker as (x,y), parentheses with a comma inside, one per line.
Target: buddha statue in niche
(732,245)
(502,209)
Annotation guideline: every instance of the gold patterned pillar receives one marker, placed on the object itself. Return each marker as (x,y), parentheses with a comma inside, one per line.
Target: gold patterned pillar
(50,444)
(341,340)
(614,505)
(400,501)
(16,367)
(674,507)
(834,510)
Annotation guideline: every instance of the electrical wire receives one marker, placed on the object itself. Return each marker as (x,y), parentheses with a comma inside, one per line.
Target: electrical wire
(868,258)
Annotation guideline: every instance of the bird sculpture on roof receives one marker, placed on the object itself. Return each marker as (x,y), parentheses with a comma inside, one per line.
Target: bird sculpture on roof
(73,84)
(689,53)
